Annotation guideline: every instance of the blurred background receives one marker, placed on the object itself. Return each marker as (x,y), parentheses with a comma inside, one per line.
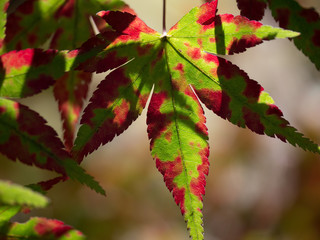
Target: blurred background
(258,187)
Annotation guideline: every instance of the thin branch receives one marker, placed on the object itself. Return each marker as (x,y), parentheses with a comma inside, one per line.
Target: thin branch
(164,31)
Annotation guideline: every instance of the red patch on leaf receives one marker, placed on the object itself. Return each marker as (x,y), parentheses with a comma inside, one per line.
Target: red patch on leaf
(142,50)
(102,64)
(49,226)
(168,136)
(310,15)
(70,91)
(170,170)
(106,93)
(55,38)
(212,40)
(158,58)
(32,38)
(27,7)
(210,58)
(198,184)
(179,68)
(2,109)
(252,90)
(41,82)
(240,45)
(66,10)
(5,7)
(217,101)
(12,27)
(207,13)
(157,121)
(201,128)
(252,121)
(283,15)
(194,53)
(27,57)
(225,18)
(316,38)
(229,70)
(243,21)
(121,112)
(126,23)
(273,109)
(47,185)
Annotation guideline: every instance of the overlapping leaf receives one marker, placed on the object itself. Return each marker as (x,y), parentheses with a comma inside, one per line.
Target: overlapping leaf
(306,21)
(34,21)
(68,21)
(182,70)
(290,15)
(26,137)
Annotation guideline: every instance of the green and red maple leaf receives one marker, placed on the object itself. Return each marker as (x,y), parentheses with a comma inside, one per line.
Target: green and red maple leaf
(181,69)
(176,72)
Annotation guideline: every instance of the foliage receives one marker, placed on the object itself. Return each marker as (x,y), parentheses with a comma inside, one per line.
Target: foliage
(174,70)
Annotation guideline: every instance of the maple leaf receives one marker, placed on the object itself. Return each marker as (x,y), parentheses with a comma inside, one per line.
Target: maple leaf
(181,69)
(36,144)
(68,21)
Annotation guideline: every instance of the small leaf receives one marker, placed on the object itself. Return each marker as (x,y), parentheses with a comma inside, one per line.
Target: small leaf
(40,229)
(13,194)
(306,21)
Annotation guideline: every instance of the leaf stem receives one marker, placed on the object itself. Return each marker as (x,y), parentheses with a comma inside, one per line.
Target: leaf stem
(164,31)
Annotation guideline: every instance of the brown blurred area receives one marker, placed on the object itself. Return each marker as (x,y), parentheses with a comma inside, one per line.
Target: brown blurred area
(258,188)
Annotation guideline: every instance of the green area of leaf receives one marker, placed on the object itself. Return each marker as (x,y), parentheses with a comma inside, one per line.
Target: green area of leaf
(13,194)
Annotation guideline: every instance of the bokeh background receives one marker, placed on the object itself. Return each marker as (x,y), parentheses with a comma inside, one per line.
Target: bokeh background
(258,187)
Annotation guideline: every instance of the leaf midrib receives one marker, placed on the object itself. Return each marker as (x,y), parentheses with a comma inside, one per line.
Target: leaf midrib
(180,146)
